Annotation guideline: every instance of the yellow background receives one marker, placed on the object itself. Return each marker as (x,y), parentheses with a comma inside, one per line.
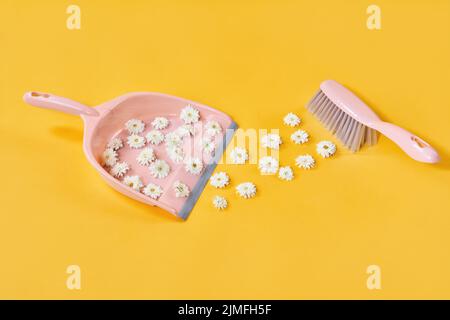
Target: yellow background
(257,61)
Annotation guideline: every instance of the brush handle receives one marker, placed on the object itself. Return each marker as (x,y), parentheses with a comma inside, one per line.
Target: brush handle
(415,147)
(49,101)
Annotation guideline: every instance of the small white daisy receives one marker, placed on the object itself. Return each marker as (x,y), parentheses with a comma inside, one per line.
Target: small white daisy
(193,165)
(153,191)
(173,140)
(135,141)
(146,156)
(239,155)
(246,190)
(300,137)
(291,120)
(120,169)
(326,149)
(135,126)
(115,144)
(213,128)
(219,180)
(189,114)
(208,146)
(155,137)
(109,157)
(160,123)
(305,162)
(220,202)
(286,173)
(181,190)
(271,141)
(186,130)
(159,169)
(176,154)
(133,182)
(268,165)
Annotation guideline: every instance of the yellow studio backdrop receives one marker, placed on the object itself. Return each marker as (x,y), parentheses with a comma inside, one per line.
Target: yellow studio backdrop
(313,237)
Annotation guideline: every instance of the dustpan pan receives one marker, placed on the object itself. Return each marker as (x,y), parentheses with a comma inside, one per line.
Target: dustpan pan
(107,121)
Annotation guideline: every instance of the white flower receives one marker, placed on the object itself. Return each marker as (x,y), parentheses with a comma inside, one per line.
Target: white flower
(286,173)
(186,130)
(291,120)
(220,202)
(176,154)
(189,114)
(120,169)
(246,190)
(300,137)
(109,157)
(135,141)
(133,182)
(268,165)
(181,190)
(305,162)
(193,165)
(213,128)
(239,155)
(160,123)
(153,191)
(173,140)
(155,137)
(115,144)
(271,141)
(135,126)
(159,169)
(146,156)
(219,180)
(208,146)
(326,149)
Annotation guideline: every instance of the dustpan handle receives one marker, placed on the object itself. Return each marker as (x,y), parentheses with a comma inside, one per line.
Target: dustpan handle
(49,101)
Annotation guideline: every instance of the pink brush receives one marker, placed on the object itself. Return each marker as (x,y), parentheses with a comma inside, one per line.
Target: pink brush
(355,124)
(107,121)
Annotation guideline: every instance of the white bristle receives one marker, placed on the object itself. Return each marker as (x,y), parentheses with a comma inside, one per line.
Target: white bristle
(352,133)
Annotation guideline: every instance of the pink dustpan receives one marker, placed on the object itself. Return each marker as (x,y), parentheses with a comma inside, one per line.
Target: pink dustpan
(106,122)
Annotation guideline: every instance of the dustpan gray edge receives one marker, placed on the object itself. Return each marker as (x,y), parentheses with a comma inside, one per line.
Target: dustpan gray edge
(197,190)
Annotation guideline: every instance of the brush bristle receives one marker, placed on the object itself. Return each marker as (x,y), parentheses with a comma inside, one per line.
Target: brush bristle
(352,133)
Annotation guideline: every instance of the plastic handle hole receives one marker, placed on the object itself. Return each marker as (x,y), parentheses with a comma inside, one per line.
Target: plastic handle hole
(420,143)
(37,94)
